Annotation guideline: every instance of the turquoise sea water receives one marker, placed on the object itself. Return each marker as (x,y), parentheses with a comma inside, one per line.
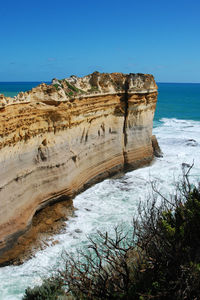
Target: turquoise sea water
(114,201)
(178,100)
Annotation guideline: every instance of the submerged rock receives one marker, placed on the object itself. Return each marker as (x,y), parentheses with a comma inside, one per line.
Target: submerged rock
(192,143)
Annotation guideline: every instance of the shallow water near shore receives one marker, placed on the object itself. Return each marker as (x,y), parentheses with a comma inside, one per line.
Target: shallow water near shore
(114,201)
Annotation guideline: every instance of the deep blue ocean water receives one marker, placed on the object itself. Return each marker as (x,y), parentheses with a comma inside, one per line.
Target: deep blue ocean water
(114,201)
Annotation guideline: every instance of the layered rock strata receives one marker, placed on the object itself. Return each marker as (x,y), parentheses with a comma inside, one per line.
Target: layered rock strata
(58,139)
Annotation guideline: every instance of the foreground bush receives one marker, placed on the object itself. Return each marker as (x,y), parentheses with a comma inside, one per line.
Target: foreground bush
(160,261)
(50,289)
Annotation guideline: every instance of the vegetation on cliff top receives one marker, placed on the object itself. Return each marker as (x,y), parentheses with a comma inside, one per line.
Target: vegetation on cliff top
(161,260)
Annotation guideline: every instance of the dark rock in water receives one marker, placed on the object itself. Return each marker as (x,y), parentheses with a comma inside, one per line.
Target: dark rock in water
(191,142)
(185,165)
(78,231)
(156,148)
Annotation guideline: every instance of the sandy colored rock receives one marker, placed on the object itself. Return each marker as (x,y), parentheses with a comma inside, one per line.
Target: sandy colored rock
(58,139)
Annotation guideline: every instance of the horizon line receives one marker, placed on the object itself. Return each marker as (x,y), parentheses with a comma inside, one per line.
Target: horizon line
(46,81)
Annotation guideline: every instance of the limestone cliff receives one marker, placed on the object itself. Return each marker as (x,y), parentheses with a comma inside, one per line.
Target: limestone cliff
(58,139)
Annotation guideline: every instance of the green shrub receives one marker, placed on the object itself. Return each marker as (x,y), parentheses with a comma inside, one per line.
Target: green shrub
(49,290)
(57,86)
(72,87)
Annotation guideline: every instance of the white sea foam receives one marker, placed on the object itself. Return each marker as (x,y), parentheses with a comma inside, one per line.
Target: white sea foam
(111,202)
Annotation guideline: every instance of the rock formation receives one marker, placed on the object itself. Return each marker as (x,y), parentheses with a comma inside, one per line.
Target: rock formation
(58,139)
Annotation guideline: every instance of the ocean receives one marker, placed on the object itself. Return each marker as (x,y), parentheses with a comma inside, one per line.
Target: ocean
(11,89)
(114,201)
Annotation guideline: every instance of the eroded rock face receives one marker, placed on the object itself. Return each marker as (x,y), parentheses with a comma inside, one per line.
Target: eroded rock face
(58,139)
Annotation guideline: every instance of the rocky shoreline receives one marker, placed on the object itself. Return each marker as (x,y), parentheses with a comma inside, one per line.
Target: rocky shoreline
(45,224)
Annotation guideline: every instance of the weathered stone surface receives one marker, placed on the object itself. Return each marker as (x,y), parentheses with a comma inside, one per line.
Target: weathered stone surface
(58,139)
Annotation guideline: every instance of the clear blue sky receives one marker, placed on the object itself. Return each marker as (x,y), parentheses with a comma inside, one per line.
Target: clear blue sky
(43,39)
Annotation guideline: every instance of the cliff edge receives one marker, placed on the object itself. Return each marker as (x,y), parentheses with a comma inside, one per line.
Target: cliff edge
(58,139)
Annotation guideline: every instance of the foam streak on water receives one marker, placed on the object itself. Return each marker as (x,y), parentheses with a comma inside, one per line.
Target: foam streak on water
(112,202)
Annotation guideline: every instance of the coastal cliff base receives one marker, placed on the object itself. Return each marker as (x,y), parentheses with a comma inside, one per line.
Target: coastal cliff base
(46,223)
